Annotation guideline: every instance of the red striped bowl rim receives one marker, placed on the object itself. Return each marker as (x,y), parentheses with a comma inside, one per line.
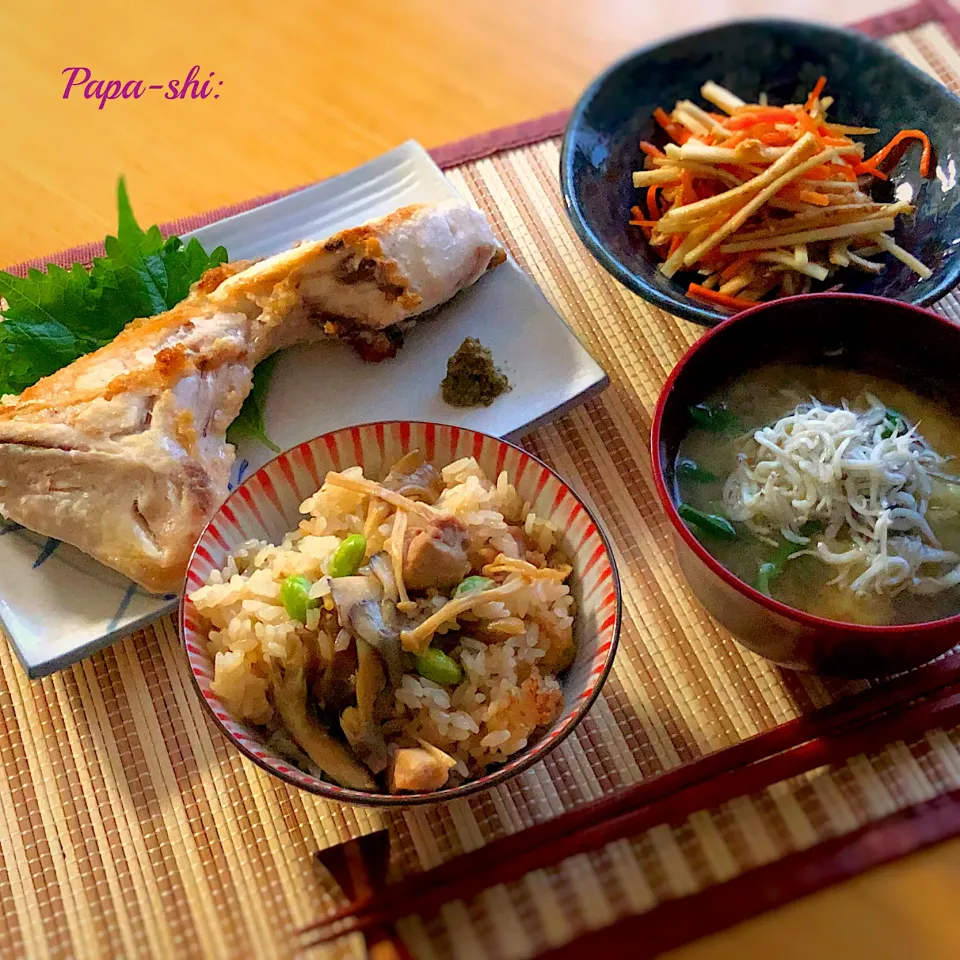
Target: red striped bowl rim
(264,506)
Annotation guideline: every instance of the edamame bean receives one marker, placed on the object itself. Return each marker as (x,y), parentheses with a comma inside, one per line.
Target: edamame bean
(472,585)
(435,665)
(295,594)
(348,557)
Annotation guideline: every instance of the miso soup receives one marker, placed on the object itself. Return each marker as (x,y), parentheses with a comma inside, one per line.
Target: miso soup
(832,491)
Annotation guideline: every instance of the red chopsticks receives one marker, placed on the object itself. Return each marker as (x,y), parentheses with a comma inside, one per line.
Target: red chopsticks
(863,721)
(673,923)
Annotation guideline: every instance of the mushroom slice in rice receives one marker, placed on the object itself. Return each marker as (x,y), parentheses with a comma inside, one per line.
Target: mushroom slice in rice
(335,690)
(365,615)
(359,723)
(328,753)
(411,477)
(417,639)
(367,743)
(382,568)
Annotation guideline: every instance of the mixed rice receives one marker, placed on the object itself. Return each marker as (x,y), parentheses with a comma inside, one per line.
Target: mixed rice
(406,636)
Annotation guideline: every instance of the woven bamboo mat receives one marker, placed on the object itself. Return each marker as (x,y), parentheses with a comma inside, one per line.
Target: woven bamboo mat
(128,827)
(699,872)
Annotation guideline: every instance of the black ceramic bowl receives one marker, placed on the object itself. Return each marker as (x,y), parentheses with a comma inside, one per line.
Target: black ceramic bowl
(872,86)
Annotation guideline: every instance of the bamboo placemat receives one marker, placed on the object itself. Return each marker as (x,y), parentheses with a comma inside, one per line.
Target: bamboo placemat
(128,827)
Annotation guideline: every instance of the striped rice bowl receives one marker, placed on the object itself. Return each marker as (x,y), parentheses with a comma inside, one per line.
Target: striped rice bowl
(408,635)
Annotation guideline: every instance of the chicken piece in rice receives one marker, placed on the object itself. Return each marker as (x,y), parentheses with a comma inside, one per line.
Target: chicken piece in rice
(457,600)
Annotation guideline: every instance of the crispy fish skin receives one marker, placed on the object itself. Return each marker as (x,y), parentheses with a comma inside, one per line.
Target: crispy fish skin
(123,452)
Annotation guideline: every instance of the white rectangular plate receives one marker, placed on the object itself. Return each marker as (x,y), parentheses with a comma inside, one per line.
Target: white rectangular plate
(59,606)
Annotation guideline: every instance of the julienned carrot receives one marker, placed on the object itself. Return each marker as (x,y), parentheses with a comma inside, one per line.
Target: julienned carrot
(731,142)
(650,150)
(673,130)
(812,196)
(766,133)
(832,171)
(815,93)
(732,269)
(884,152)
(721,299)
(861,168)
(743,121)
(776,138)
(808,124)
(842,170)
(714,260)
(662,117)
(637,220)
(691,180)
(652,208)
(704,190)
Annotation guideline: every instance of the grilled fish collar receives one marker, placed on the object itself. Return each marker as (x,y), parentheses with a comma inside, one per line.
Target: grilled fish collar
(123,453)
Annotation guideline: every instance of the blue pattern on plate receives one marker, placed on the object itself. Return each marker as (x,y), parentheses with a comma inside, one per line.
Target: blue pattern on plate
(872,86)
(133,590)
(242,467)
(46,552)
(49,547)
(128,595)
(45,635)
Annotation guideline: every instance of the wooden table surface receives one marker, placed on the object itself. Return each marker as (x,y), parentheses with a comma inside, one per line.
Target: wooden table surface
(313,88)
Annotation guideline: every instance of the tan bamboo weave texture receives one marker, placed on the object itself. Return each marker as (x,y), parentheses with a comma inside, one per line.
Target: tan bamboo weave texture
(129,828)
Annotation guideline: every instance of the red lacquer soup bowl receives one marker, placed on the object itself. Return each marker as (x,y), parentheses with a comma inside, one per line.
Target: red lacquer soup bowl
(266,505)
(886,338)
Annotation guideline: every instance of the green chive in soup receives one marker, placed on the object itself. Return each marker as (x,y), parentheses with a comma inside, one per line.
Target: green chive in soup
(831,491)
